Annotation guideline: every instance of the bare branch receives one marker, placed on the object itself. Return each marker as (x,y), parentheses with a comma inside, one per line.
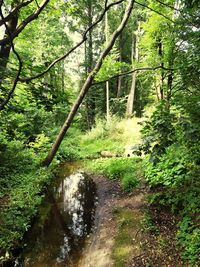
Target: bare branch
(10,94)
(37,3)
(159,13)
(14,11)
(130,72)
(84,38)
(24,24)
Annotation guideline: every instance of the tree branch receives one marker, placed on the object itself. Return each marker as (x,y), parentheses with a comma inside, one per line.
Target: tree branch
(84,38)
(130,72)
(159,13)
(10,94)
(24,24)
(13,11)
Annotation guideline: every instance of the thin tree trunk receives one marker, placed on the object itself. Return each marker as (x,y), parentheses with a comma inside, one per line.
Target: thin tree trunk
(90,99)
(87,85)
(107,82)
(135,56)
(119,84)
(161,79)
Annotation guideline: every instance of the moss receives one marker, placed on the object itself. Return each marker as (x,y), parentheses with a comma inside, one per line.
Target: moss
(126,240)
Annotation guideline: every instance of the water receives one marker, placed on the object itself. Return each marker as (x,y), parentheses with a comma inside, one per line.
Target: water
(64,222)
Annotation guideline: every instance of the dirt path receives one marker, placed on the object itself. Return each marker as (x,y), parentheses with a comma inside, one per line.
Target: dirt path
(99,247)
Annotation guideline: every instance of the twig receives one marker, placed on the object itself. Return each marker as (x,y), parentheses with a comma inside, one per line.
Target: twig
(131,71)
(84,38)
(37,4)
(159,13)
(169,6)
(10,94)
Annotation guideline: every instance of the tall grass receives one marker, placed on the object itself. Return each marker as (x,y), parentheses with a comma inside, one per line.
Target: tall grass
(112,136)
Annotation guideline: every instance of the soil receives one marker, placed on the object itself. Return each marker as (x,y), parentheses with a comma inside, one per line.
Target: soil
(156,247)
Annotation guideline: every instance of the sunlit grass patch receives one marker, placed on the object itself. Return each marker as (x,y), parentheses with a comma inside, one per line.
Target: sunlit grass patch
(112,136)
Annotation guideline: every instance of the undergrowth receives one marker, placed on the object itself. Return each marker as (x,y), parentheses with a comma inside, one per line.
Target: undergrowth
(128,170)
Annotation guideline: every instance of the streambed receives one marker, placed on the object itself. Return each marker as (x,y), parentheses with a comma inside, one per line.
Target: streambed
(65,220)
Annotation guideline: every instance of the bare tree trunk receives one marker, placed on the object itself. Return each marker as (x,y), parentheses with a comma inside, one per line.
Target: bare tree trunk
(161,79)
(119,84)
(135,55)
(107,82)
(87,85)
(90,99)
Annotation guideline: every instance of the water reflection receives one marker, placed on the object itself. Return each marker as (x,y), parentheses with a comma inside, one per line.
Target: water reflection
(65,220)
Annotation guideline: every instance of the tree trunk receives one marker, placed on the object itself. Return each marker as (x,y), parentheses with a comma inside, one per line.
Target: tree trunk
(134,56)
(119,83)
(87,85)
(90,99)
(107,82)
(161,78)
(6,48)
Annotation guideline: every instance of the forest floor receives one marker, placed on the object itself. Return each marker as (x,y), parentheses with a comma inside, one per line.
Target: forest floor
(125,234)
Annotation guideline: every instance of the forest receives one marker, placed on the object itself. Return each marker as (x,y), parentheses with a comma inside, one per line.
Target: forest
(113,84)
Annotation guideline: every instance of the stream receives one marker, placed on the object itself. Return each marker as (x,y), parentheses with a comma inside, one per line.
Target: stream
(64,222)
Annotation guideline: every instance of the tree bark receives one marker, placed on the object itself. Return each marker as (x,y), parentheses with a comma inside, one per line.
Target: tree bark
(161,78)
(135,56)
(90,99)
(87,85)
(119,83)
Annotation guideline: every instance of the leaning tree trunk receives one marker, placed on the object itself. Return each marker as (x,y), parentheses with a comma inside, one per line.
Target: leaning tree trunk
(87,85)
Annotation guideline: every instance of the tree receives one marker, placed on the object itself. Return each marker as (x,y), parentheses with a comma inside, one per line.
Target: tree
(134,58)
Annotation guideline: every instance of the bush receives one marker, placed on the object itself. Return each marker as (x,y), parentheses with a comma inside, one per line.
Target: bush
(129,181)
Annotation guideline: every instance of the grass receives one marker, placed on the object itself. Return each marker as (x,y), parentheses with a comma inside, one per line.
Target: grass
(128,170)
(110,137)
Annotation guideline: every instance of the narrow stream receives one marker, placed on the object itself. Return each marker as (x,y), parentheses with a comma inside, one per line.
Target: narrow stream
(64,222)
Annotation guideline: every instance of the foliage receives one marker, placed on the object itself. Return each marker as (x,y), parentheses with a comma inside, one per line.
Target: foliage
(189,239)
